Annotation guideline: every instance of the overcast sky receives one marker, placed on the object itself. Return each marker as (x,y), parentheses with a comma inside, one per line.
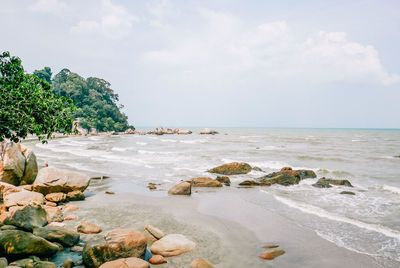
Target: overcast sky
(223,62)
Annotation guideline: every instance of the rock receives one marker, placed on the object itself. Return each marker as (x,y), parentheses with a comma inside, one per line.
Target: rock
(12,163)
(88,228)
(70,217)
(208,131)
(152,186)
(110,192)
(50,204)
(31,166)
(326,183)
(75,196)
(69,208)
(20,243)
(68,264)
(6,189)
(56,197)
(3,262)
(348,192)
(28,217)
(224,179)
(62,235)
(154,231)
(27,187)
(286,176)
(8,227)
(249,183)
(126,263)
(76,249)
(58,224)
(54,214)
(54,180)
(204,182)
(272,254)
(41,264)
(182,131)
(157,259)
(172,245)
(23,198)
(183,188)
(118,243)
(257,169)
(232,169)
(271,246)
(201,263)
(22,262)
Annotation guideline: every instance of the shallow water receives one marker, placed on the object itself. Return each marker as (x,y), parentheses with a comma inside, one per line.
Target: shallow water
(364,228)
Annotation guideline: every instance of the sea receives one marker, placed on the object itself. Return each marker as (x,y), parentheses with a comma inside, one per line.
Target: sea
(366,224)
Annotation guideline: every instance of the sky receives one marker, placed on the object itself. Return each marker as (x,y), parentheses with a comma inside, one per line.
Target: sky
(223,63)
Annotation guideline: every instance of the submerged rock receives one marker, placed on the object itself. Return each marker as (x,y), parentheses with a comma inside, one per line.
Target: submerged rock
(19,243)
(27,217)
(126,263)
(61,235)
(271,246)
(272,254)
(204,182)
(54,180)
(232,169)
(172,245)
(183,188)
(326,183)
(201,263)
(118,243)
(348,192)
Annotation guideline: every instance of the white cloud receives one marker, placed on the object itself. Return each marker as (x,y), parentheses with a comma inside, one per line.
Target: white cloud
(115,22)
(48,6)
(225,47)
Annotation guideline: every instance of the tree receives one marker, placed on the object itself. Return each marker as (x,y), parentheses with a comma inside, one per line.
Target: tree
(27,104)
(95,100)
(45,74)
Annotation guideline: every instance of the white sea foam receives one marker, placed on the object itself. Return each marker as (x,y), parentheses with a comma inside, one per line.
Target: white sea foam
(310,209)
(392,189)
(119,149)
(148,166)
(192,141)
(168,140)
(152,152)
(141,143)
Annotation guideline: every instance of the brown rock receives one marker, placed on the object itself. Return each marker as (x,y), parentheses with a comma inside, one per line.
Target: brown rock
(88,228)
(272,254)
(172,245)
(183,188)
(70,217)
(50,204)
(68,263)
(12,163)
(69,208)
(224,179)
(154,231)
(110,192)
(126,263)
(75,196)
(23,198)
(54,214)
(271,246)
(204,182)
(56,197)
(201,263)
(27,217)
(157,259)
(232,169)
(31,167)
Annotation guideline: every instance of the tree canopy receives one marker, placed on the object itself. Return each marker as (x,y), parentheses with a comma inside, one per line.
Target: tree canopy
(96,102)
(28,105)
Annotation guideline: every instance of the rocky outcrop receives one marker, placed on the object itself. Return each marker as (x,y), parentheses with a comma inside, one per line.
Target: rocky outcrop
(224,179)
(116,244)
(126,263)
(16,243)
(172,245)
(27,217)
(234,168)
(201,263)
(23,198)
(326,183)
(62,235)
(204,182)
(183,188)
(272,254)
(54,180)
(287,176)
(88,228)
(17,164)
(207,131)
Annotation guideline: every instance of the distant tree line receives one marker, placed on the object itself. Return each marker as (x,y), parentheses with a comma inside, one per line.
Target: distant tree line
(96,102)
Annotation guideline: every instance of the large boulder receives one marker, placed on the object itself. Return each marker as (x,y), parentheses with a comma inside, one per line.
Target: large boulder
(6,189)
(27,217)
(61,235)
(12,163)
(287,176)
(232,169)
(116,244)
(205,182)
(54,214)
(31,166)
(23,198)
(126,263)
(172,245)
(208,131)
(326,183)
(16,243)
(183,188)
(54,180)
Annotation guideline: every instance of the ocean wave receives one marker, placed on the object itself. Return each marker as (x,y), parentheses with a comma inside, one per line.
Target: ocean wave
(141,143)
(168,140)
(193,141)
(119,149)
(320,158)
(310,209)
(392,189)
(153,152)
(338,173)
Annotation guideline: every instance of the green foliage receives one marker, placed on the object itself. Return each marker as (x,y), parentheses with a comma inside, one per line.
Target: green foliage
(44,74)
(27,104)
(96,101)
